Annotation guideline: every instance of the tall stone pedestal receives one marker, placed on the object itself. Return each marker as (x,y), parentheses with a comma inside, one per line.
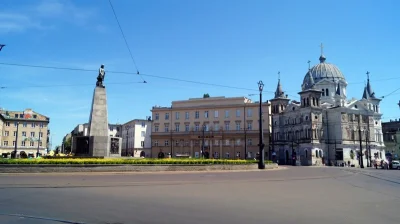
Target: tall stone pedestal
(100,143)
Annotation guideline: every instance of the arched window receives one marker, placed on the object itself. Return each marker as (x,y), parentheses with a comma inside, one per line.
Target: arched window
(304,102)
(323,92)
(306,154)
(327,92)
(316,154)
(308,101)
(313,101)
(320,153)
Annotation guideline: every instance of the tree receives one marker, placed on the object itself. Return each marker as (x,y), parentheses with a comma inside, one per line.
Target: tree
(206,95)
(67,144)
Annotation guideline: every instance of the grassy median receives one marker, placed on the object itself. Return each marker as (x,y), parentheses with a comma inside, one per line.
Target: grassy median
(127,161)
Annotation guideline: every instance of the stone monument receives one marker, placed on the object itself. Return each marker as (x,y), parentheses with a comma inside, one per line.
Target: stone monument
(98,143)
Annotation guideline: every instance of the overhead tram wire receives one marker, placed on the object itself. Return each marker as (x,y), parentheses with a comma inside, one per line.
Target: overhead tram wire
(126,42)
(120,72)
(63,85)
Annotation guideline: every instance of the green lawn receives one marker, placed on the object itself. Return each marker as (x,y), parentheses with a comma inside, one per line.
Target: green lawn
(126,161)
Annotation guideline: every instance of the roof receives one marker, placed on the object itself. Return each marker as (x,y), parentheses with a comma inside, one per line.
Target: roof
(322,71)
(26,115)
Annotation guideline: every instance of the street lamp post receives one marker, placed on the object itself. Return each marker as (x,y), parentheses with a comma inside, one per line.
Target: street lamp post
(202,142)
(261,164)
(16,141)
(37,152)
(127,136)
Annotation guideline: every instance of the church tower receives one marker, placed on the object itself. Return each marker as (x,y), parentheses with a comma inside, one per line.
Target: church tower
(280,101)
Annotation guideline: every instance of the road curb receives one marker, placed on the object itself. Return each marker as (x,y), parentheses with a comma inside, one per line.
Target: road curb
(70,168)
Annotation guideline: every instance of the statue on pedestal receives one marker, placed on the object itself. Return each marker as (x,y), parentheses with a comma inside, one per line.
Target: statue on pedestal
(100,77)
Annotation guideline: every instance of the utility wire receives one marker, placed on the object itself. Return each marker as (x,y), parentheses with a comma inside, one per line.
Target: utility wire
(126,42)
(64,85)
(120,72)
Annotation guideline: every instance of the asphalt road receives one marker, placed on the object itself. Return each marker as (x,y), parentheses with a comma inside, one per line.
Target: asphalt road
(293,195)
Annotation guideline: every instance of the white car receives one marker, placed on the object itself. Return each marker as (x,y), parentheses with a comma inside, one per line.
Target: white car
(396,165)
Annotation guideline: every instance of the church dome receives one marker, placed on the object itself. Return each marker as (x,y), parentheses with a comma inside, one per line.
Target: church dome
(322,71)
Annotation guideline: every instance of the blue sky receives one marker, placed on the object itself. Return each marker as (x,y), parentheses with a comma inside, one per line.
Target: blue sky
(233,43)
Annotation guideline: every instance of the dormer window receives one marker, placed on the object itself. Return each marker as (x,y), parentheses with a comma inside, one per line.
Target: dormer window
(323,92)
(327,92)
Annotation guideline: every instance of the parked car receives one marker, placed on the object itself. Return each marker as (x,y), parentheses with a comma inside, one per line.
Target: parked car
(396,165)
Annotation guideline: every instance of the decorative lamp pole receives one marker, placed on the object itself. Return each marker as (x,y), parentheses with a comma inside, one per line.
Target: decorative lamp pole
(37,152)
(127,136)
(261,164)
(16,142)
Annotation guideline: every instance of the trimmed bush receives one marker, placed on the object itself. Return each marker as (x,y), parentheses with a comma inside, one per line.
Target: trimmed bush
(127,161)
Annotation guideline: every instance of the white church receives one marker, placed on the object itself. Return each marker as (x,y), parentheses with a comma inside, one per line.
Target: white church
(325,127)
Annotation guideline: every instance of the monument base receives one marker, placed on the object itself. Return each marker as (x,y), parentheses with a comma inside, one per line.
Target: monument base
(96,146)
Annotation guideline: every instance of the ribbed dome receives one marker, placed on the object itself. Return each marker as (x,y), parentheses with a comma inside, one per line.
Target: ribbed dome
(322,71)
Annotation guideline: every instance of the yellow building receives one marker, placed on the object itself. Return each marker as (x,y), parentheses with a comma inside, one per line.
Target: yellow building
(29,127)
(226,127)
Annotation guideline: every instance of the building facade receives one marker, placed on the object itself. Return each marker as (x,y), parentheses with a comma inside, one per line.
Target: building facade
(214,127)
(114,130)
(324,127)
(136,138)
(26,130)
(391,137)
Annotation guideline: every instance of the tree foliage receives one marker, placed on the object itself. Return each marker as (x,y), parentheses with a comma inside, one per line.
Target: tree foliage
(206,95)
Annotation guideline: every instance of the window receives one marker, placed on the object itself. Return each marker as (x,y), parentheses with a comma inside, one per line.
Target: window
(5,143)
(32,134)
(166,128)
(155,143)
(40,143)
(216,142)
(216,126)
(142,143)
(176,127)
(143,124)
(227,126)
(6,133)
(206,127)
(24,133)
(249,126)
(143,133)
(15,124)
(205,114)
(226,113)
(23,143)
(249,112)
(15,133)
(155,128)
(176,115)
(187,127)
(196,115)
(24,125)
(34,116)
(327,92)
(249,141)
(238,142)
(8,124)
(196,127)
(237,126)
(166,116)
(186,115)
(14,142)
(323,92)
(166,143)
(176,142)
(33,125)
(21,116)
(227,142)
(31,143)
(237,113)
(216,113)
(157,116)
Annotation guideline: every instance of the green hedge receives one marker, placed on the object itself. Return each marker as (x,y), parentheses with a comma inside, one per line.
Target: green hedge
(126,161)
